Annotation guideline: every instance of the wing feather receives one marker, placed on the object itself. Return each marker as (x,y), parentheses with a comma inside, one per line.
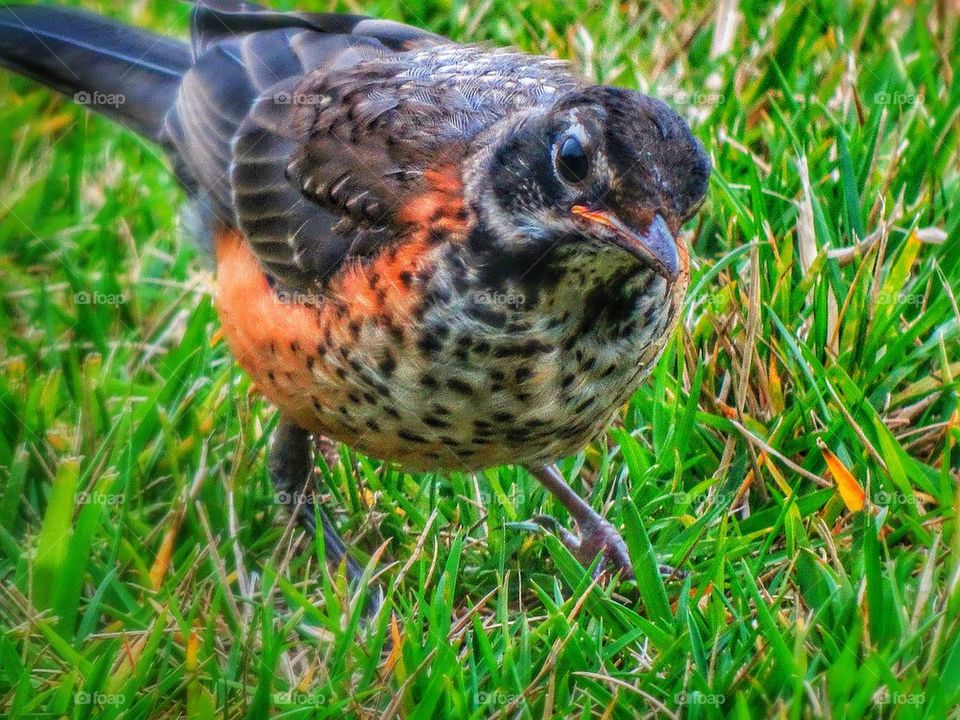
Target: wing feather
(311,132)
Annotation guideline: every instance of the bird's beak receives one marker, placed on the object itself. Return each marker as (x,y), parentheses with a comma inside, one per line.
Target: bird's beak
(656,246)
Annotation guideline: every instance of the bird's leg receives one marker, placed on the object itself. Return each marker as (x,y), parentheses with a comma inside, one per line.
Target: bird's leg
(294,479)
(596,534)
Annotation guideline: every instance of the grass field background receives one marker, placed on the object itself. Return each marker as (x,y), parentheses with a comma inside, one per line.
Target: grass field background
(795,453)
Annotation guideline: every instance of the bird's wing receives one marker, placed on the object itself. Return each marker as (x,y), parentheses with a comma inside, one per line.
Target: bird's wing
(376,130)
(309,132)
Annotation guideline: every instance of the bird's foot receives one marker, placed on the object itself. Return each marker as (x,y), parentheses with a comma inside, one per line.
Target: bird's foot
(597,537)
(294,476)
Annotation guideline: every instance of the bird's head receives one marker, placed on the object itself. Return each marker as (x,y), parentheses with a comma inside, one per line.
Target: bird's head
(613,168)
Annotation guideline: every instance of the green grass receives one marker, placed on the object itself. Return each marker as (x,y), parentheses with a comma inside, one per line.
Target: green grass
(124,422)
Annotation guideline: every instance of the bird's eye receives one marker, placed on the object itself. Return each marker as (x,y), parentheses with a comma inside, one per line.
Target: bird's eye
(572,162)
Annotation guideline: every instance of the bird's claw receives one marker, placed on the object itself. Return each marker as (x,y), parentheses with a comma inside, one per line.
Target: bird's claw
(597,537)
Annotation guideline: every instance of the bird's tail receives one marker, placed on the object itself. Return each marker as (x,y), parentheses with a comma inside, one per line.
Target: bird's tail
(128,74)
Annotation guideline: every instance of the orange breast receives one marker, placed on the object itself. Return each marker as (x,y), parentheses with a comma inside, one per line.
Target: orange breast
(295,350)
(346,364)
(263,332)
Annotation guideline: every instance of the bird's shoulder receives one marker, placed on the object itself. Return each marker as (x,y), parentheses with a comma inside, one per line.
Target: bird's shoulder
(372,134)
(319,135)
(433,95)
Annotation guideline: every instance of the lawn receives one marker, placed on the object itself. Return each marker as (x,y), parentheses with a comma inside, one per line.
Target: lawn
(794,455)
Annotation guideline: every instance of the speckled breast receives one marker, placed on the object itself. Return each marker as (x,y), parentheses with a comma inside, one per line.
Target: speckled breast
(415,358)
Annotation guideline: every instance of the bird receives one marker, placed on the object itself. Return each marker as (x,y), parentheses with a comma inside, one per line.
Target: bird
(446,256)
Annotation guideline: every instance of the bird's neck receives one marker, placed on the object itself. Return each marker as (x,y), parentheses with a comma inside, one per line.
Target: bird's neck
(597,295)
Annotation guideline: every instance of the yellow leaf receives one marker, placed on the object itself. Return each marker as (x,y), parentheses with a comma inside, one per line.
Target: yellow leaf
(747,483)
(776,386)
(129,658)
(193,647)
(58,439)
(850,490)
(162,561)
(55,123)
(900,271)
(397,640)
(17,368)
(727,410)
(307,681)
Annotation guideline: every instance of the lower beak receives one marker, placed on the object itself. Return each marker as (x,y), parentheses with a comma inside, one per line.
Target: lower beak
(656,246)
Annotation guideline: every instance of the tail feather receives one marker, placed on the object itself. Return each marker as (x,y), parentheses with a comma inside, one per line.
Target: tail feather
(128,74)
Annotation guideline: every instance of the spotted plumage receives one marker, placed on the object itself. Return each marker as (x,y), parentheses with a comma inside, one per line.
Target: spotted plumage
(387,378)
(447,256)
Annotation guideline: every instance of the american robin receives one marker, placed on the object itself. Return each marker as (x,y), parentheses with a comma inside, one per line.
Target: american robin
(442,255)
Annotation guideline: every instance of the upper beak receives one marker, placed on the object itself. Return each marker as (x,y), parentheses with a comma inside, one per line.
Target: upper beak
(656,245)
